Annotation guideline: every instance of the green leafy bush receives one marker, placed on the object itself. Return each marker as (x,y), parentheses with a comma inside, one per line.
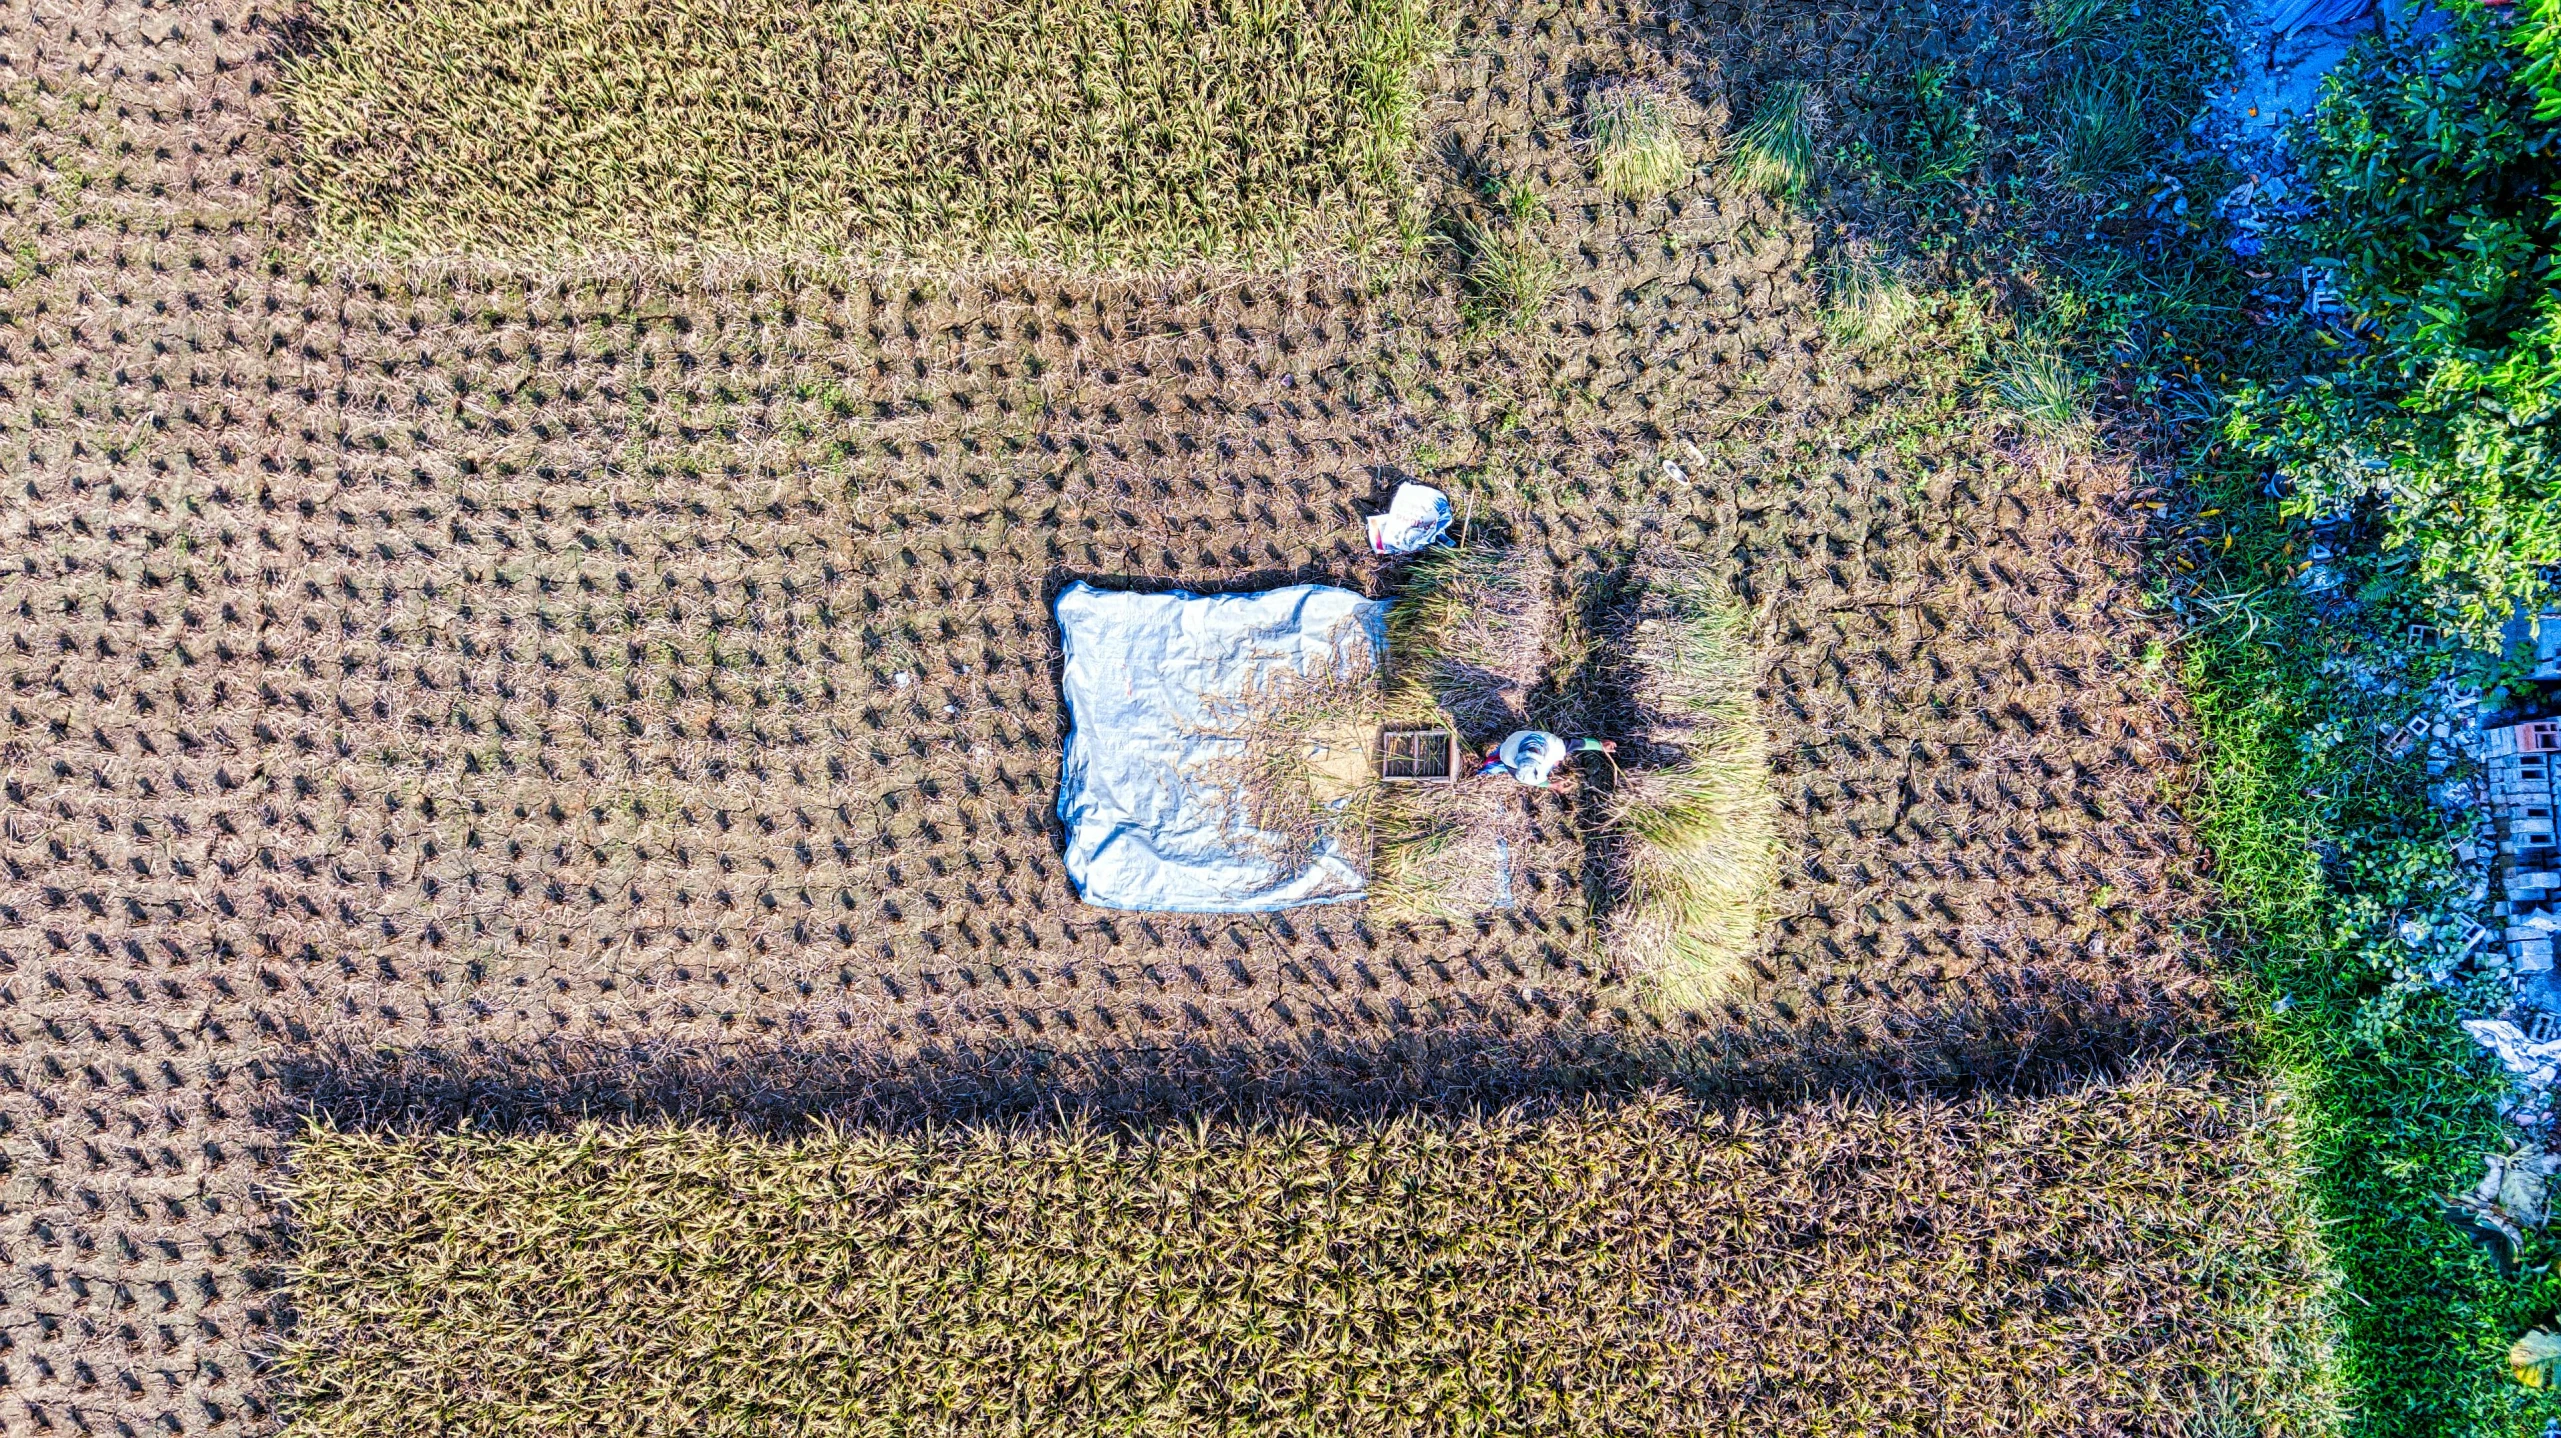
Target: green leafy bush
(2541,37)
(2435,177)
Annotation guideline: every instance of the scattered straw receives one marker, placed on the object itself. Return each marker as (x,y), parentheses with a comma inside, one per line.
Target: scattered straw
(1471,640)
(1297,767)
(1692,824)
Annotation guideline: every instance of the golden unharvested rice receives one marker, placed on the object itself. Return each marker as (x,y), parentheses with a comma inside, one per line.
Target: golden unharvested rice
(1089,132)
(2106,1260)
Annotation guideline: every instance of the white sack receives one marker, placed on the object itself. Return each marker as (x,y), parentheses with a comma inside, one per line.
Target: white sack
(2536,1063)
(1417,515)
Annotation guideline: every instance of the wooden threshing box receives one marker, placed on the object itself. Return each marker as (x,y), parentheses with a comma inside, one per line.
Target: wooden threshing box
(1418,756)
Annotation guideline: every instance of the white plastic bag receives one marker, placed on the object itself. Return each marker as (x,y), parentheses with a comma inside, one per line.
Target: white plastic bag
(1417,515)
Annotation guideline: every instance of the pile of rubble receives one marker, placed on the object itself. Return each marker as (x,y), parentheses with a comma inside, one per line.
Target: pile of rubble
(2524,760)
(2502,772)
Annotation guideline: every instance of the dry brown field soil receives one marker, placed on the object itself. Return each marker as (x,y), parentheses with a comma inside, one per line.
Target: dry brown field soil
(431,694)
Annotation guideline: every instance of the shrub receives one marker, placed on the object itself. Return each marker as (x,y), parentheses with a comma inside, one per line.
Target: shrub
(1636,146)
(2435,174)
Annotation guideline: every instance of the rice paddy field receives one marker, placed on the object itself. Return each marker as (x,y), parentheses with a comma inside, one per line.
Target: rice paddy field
(498,647)
(963,134)
(1638,1267)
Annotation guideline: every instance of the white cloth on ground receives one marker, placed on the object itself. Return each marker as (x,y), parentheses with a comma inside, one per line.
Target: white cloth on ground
(1143,676)
(2537,1063)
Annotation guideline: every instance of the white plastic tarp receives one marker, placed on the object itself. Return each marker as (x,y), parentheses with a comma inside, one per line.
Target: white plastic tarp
(1146,678)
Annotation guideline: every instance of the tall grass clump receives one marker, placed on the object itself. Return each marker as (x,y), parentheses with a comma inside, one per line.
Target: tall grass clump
(1508,275)
(2069,20)
(1563,1270)
(1774,154)
(1636,144)
(1089,133)
(2046,393)
(1691,827)
(1866,301)
(2099,131)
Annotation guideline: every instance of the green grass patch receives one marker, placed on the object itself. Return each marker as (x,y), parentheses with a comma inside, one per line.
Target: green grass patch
(2318,846)
(1774,153)
(1650,1266)
(2100,132)
(1508,276)
(2042,389)
(1088,133)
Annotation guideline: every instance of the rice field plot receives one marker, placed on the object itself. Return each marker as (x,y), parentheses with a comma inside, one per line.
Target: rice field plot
(1061,131)
(1641,1266)
(445,664)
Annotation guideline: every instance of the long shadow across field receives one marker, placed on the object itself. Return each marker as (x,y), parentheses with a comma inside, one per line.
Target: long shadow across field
(779,1089)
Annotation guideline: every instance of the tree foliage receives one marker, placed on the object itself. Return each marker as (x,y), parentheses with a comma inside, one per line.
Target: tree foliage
(2434,166)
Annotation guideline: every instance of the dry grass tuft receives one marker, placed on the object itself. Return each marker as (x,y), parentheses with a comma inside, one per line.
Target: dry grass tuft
(1648,1266)
(1774,154)
(1866,300)
(1692,826)
(1102,133)
(1636,144)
